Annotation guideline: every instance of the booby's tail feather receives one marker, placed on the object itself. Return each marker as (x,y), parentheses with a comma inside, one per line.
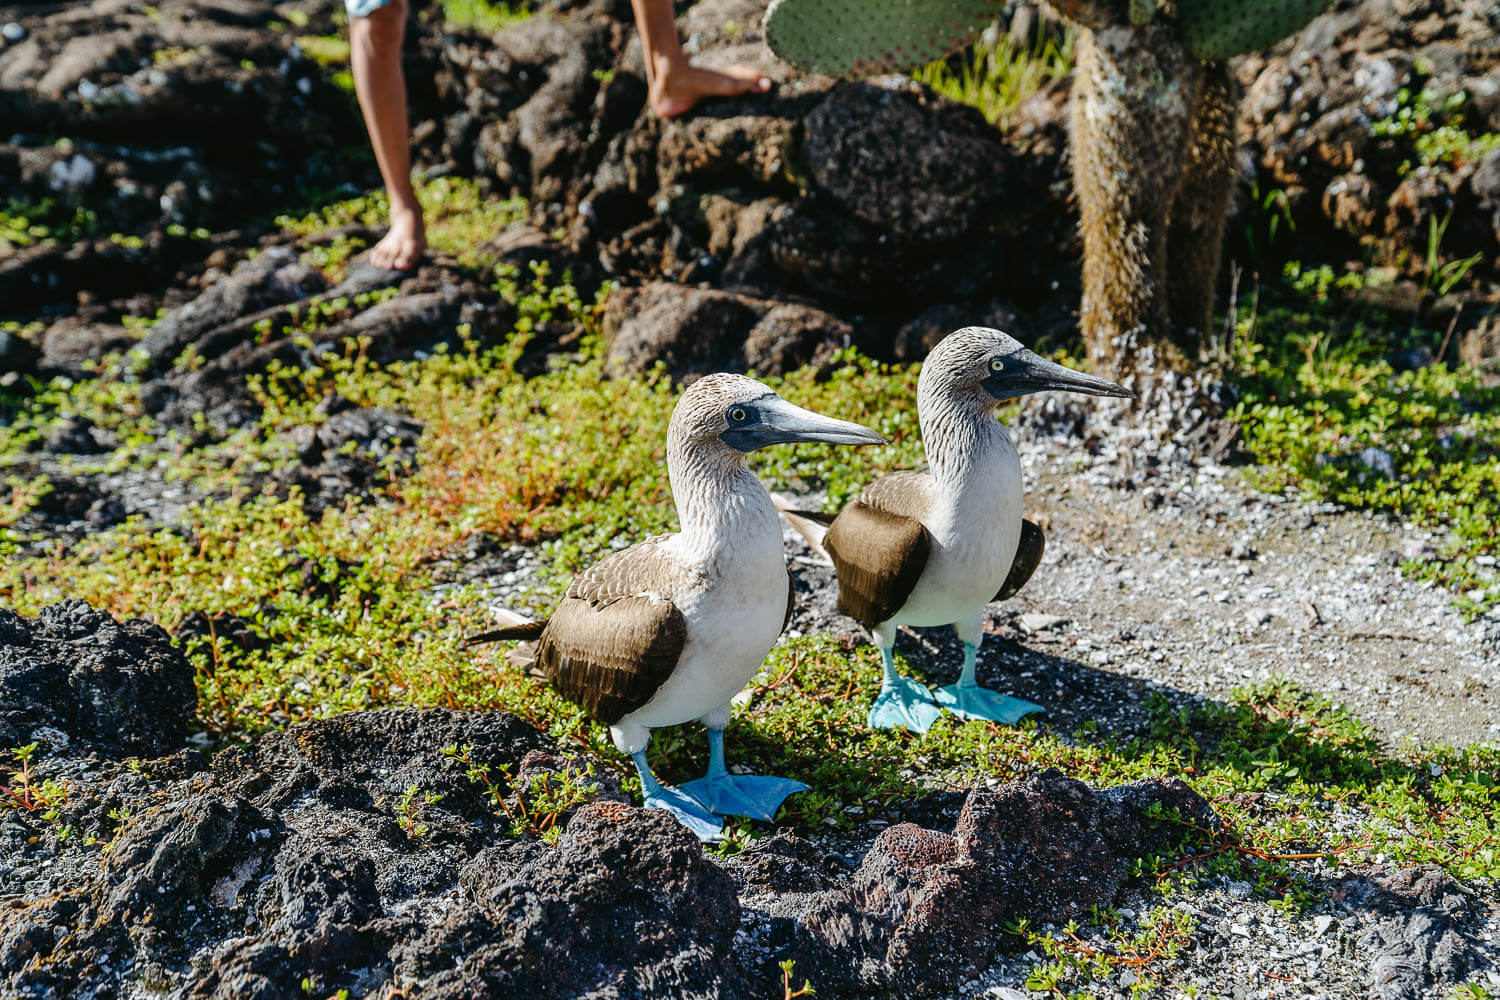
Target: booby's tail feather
(812,525)
(513,626)
(527,630)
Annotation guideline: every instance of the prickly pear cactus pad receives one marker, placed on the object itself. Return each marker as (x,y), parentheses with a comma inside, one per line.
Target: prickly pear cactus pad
(1219,29)
(864,37)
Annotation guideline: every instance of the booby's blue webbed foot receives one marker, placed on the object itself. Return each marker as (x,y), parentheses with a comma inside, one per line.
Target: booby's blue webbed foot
(753,795)
(903,704)
(981,703)
(726,794)
(968,700)
(688,810)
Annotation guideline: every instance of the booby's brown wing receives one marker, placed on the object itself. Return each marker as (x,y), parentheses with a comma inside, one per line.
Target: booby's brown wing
(616,636)
(879,546)
(1028,557)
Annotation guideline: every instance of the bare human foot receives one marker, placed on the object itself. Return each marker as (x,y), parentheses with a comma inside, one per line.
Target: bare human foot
(676,87)
(403,244)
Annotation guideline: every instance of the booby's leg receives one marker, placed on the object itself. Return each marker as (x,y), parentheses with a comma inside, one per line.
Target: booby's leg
(704,824)
(968,700)
(753,795)
(902,703)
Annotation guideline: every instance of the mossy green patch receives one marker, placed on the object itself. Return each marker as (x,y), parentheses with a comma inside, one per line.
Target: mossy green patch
(996,75)
(573,461)
(23,224)
(482,15)
(354,614)
(1434,124)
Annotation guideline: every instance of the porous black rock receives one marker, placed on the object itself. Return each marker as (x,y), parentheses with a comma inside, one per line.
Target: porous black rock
(314,853)
(120,688)
(926,907)
(353,452)
(272,278)
(784,863)
(627,906)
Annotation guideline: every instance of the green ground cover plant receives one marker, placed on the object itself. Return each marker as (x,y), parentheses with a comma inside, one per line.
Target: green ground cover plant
(1435,121)
(363,627)
(23,224)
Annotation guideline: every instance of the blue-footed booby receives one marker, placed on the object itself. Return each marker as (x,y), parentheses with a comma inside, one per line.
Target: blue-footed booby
(670,629)
(933,548)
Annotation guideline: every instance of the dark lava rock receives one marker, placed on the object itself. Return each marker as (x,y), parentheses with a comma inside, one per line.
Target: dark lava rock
(73,436)
(396,749)
(18,355)
(73,347)
(311,854)
(165,107)
(168,858)
(1307,125)
(696,331)
(790,335)
(926,908)
(273,278)
(119,687)
(431,307)
(627,907)
(927,330)
(920,171)
(1412,934)
(352,453)
(693,331)
(781,864)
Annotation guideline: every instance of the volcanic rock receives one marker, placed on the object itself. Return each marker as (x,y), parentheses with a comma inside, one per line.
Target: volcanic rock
(116,687)
(273,278)
(627,906)
(1308,124)
(927,907)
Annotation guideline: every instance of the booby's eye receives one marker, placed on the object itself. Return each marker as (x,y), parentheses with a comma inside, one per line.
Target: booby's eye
(997,364)
(738,415)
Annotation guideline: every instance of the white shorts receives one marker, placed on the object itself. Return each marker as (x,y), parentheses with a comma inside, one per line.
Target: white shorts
(363,8)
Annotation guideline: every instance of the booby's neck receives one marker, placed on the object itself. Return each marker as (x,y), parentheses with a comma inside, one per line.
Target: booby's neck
(721,506)
(961,438)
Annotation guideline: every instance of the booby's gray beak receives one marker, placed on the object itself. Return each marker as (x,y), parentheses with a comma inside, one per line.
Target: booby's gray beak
(1025,373)
(772,420)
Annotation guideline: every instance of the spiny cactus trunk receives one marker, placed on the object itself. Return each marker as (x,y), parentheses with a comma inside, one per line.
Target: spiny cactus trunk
(1196,224)
(1153,169)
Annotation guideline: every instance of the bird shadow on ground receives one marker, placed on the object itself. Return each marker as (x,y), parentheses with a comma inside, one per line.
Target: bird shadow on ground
(1073,693)
(1096,721)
